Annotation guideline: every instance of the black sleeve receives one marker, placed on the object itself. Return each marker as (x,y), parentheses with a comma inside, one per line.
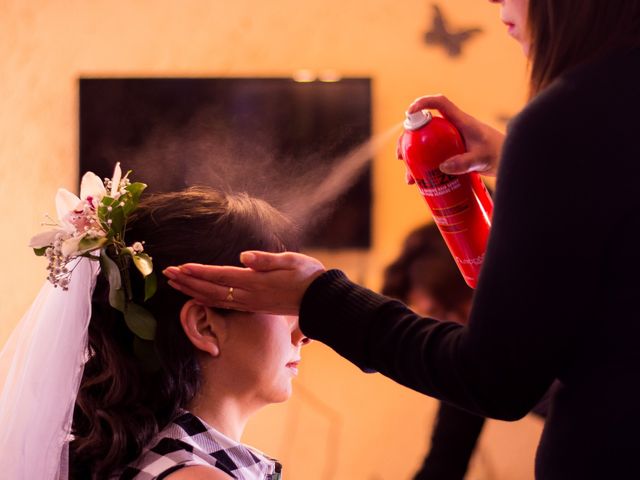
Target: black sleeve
(533,297)
(453,440)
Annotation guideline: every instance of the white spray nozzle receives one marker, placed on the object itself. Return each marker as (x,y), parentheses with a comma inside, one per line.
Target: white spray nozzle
(417,119)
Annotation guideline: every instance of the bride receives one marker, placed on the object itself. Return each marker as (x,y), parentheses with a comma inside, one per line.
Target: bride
(168,384)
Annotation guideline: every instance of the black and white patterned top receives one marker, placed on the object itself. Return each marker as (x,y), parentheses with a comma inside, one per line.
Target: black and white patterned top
(189,441)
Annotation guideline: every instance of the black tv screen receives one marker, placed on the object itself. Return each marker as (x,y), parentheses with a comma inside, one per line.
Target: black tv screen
(274,138)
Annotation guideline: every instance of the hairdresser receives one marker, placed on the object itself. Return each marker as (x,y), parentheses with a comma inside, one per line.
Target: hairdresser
(558,292)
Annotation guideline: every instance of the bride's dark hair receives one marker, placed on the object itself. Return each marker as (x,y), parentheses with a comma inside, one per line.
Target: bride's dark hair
(122,402)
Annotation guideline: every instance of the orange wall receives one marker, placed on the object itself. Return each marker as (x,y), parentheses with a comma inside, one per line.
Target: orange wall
(340,424)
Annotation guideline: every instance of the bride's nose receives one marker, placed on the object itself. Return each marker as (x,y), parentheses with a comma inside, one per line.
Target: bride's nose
(297,337)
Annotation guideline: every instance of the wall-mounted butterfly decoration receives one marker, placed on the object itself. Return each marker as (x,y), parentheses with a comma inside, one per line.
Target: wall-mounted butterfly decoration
(442,35)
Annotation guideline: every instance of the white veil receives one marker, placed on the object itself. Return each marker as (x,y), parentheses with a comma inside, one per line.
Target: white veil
(41,367)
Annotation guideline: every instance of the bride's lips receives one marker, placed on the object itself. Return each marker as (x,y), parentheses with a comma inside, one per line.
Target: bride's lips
(511,27)
(293,366)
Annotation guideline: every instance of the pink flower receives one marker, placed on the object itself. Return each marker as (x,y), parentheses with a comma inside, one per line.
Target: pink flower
(77,216)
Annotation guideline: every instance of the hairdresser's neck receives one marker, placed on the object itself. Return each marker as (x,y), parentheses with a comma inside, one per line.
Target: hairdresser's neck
(227,413)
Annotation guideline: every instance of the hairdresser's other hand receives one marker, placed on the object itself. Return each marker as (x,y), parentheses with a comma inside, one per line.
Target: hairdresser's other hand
(484,143)
(272,283)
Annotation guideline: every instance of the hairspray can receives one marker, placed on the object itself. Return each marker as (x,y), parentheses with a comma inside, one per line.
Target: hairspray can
(460,204)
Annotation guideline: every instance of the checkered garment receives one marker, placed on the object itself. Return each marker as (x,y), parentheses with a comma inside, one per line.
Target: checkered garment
(188,441)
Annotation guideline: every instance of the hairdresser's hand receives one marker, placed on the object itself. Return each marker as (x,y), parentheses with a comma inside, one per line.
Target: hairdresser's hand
(484,143)
(272,283)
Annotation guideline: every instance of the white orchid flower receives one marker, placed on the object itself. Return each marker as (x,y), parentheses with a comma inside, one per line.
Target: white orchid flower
(44,239)
(70,208)
(93,226)
(115,180)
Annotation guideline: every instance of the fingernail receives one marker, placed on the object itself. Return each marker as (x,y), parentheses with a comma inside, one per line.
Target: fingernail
(186,270)
(174,285)
(247,257)
(449,167)
(169,272)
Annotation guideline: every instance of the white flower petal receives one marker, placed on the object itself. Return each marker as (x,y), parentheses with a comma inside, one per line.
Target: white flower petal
(92,186)
(71,246)
(44,239)
(66,202)
(115,181)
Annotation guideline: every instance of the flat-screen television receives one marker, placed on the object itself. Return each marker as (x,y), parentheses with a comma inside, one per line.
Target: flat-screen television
(274,138)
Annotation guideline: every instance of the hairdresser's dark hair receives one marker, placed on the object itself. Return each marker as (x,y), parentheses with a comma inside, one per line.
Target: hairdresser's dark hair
(426,263)
(122,403)
(567,33)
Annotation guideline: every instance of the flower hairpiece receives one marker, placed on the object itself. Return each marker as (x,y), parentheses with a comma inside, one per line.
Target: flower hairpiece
(93,226)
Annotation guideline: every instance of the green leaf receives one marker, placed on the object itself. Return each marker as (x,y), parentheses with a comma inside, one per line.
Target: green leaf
(135,190)
(150,286)
(88,244)
(116,293)
(143,263)
(140,321)
(110,268)
(117,299)
(40,251)
(107,201)
(117,217)
(103,210)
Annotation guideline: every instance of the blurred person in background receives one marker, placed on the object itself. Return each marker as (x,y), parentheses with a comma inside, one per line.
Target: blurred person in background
(425,277)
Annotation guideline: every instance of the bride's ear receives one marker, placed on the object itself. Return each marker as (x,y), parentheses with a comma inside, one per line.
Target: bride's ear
(204,328)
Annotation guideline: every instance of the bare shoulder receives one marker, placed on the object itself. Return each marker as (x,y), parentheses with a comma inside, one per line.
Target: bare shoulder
(198,473)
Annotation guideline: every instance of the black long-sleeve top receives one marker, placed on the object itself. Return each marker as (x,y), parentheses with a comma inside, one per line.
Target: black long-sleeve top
(559,291)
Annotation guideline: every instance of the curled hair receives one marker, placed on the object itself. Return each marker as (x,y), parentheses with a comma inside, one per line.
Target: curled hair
(122,403)
(567,33)
(425,263)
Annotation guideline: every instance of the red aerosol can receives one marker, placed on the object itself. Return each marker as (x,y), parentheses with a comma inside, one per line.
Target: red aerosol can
(460,204)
